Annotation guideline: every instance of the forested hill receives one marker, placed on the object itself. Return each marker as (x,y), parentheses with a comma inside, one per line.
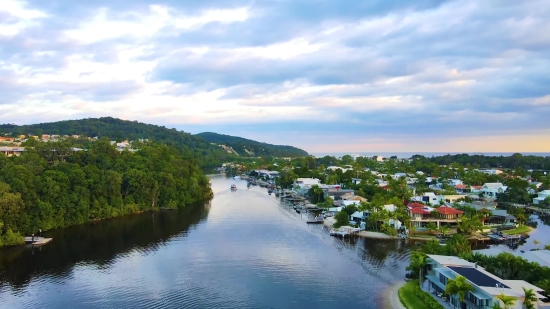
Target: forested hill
(117,129)
(50,187)
(247,147)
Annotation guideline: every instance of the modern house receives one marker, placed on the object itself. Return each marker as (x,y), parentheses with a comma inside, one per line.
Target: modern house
(491,189)
(432,198)
(542,196)
(487,287)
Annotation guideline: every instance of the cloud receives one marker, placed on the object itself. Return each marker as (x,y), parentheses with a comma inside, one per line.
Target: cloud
(336,75)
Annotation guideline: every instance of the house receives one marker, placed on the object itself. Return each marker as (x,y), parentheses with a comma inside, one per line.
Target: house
(475,189)
(542,196)
(490,171)
(461,188)
(12,151)
(432,198)
(421,215)
(491,189)
(6,139)
(487,287)
(307,182)
(356,181)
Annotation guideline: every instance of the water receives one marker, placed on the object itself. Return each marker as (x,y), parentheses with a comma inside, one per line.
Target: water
(242,250)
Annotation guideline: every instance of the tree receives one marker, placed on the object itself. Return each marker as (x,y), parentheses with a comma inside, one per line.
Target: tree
(459,286)
(458,245)
(530,298)
(419,260)
(431,227)
(507,301)
(342,219)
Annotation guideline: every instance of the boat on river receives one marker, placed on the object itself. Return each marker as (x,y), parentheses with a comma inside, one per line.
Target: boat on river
(237,177)
(233,187)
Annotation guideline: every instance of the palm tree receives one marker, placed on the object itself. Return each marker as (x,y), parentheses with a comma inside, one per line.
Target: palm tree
(419,260)
(431,227)
(459,286)
(444,230)
(496,306)
(507,301)
(530,298)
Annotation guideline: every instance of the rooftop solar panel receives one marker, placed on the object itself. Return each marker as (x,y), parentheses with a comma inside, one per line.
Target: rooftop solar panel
(477,277)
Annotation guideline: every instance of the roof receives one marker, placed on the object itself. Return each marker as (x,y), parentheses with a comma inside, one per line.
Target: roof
(419,211)
(390,207)
(493,185)
(357,214)
(415,205)
(461,186)
(476,187)
(446,210)
(446,260)
(477,277)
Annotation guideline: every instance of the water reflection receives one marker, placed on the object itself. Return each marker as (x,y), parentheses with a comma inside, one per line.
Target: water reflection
(98,244)
(243,250)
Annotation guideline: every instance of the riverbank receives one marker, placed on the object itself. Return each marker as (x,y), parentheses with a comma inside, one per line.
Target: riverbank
(329,222)
(391,297)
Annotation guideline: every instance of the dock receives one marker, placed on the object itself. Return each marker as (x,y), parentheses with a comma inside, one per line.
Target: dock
(38,241)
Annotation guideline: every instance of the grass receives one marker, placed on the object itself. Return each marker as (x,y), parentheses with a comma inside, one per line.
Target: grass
(422,236)
(408,298)
(520,230)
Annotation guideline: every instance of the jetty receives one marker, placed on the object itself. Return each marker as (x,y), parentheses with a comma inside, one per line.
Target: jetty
(37,241)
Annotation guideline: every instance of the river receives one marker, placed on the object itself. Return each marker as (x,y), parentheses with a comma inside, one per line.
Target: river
(241,250)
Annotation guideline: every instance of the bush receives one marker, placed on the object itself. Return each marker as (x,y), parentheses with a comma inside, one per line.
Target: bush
(427,298)
(342,219)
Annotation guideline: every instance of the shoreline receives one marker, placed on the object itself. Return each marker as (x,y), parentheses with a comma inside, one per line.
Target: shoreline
(391,296)
(328,222)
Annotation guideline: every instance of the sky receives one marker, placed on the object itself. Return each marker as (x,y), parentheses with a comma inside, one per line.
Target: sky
(325,76)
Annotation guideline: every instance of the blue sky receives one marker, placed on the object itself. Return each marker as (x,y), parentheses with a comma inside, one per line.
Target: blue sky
(327,76)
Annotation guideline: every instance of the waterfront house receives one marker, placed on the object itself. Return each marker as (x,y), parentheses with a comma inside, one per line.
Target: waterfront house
(542,196)
(537,256)
(421,215)
(491,189)
(487,287)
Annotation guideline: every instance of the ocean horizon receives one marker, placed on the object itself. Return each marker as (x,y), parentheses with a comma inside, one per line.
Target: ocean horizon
(406,155)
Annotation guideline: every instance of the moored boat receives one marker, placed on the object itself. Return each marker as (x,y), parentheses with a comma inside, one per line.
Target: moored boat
(233,187)
(316,220)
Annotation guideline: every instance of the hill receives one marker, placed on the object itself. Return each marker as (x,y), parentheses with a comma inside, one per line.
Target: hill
(197,146)
(118,129)
(247,147)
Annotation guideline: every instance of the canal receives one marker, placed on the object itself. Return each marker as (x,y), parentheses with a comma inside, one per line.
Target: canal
(241,250)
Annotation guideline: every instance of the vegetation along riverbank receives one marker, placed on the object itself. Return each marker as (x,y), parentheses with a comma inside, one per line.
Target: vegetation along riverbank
(53,185)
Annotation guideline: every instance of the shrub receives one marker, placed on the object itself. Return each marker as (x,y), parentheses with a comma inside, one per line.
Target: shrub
(427,298)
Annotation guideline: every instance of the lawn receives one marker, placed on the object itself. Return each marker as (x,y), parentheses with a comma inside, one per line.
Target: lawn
(520,230)
(408,298)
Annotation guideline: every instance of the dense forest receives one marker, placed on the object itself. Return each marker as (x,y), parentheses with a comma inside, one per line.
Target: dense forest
(239,144)
(514,161)
(49,186)
(193,146)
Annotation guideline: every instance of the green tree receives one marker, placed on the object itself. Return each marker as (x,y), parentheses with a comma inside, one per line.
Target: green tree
(342,219)
(459,286)
(530,298)
(507,301)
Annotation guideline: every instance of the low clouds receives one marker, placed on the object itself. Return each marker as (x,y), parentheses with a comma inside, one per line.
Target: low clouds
(326,76)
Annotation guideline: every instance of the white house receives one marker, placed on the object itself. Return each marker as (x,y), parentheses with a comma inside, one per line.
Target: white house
(542,196)
(491,189)
(487,287)
(490,171)
(307,181)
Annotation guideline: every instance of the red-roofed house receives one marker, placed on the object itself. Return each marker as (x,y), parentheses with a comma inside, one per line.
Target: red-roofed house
(460,188)
(421,215)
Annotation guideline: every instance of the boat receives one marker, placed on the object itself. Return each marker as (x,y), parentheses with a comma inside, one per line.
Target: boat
(237,177)
(316,220)
(233,187)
